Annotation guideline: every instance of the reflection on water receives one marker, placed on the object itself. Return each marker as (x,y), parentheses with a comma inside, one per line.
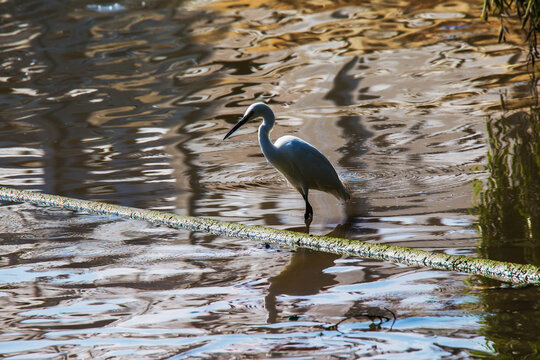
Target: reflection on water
(88,286)
(509,206)
(508,220)
(304,275)
(128,102)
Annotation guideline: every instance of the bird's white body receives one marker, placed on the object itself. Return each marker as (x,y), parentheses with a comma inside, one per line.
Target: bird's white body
(303,166)
(300,162)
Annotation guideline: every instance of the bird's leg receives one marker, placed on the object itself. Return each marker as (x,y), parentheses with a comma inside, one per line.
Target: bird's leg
(308,216)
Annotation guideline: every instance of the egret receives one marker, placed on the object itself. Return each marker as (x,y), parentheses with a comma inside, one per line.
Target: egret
(301,163)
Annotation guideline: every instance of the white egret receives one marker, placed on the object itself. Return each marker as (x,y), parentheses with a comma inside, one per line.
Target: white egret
(300,162)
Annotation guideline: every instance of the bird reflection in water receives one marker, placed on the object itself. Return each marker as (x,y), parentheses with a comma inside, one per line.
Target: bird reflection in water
(304,274)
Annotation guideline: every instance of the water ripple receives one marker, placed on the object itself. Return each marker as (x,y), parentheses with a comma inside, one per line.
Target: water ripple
(128,102)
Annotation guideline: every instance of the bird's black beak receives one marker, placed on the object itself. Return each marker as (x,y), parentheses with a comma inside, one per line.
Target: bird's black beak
(237,126)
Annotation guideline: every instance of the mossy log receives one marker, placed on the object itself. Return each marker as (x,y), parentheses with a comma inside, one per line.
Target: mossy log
(503,271)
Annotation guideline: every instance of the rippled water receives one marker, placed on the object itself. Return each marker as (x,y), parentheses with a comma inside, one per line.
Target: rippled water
(127,102)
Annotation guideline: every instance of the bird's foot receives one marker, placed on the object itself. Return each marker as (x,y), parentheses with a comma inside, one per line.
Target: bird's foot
(308,218)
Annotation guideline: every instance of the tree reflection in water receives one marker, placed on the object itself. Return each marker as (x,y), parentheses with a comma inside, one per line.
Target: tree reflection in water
(509,223)
(509,200)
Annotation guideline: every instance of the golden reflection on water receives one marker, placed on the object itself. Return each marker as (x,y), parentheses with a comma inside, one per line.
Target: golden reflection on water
(358,28)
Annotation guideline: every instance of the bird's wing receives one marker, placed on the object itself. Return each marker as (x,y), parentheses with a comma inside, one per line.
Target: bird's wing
(308,167)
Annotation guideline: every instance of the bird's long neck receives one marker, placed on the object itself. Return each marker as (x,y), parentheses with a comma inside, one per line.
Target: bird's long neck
(268,149)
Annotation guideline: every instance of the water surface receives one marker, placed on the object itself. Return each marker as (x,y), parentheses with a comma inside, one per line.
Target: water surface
(128,103)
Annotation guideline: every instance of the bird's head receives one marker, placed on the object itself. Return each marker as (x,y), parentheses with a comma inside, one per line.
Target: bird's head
(253,111)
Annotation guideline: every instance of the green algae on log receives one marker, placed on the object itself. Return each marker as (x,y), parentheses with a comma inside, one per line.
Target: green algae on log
(503,271)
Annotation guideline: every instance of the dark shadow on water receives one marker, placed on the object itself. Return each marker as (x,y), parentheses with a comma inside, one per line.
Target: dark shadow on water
(345,91)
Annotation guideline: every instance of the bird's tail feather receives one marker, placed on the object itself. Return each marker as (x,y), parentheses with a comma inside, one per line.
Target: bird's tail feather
(342,193)
(345,194)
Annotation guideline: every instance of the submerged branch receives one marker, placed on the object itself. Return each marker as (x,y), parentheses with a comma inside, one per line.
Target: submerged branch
(503,271)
